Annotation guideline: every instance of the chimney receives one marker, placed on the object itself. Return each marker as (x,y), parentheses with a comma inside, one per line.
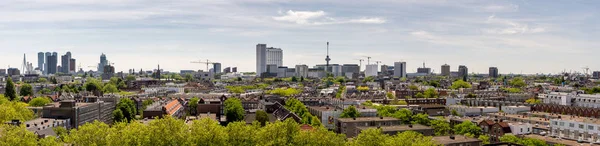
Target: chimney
(354,118)
(410,126)
(452,137)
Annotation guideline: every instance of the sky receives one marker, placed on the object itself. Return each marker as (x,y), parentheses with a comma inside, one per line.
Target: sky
(517,36)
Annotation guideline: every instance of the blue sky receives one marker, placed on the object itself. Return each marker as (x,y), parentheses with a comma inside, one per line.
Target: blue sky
(529,36)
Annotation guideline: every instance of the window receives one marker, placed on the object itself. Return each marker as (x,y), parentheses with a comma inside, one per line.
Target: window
(580,126)
(554,123)
(590,127)
(571,125)
(562,123)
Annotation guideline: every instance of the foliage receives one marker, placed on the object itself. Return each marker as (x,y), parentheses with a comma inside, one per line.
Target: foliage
(26,90)
(9,89)
(128,109)
(413,87)
(92,85)
(42,80)
(440,127)
(526,141)
(14,110)
(193,105)
(16,135)
(44,91)
(363,88)
(422,119)
(340,91)
(434,83)
(244,88)
(340,80)
(130,78)
(350,112)
(118,115)
(467,127)
(419,95)
(369,79)
(517,82)
(367,103)
(297,107)
(287,92)
(294,79)
(431,93)
(110,88)
(485,139)
(460,84)
(117,82)
(262,117)
(454,112)
(512,90)
(390,95)
(234,111)
(533,101)
(594,90)
(374,137)
(39,101)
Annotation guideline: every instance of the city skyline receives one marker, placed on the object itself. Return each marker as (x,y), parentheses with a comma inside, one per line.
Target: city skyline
(476,34)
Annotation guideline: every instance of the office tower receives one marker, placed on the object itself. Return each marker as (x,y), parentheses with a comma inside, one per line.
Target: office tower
(493,73)
(302,71)
(596,74)
(2,72)
(65,60)
(46,55)
(267,56)
(51,63)
(445,70)
(13,71)
(103,62)
(384,70)
(217,67)
(351,70)
(41,60)
(227,70)
(400,69)
(72,67)
(371,70)
(234,69)
(463,71)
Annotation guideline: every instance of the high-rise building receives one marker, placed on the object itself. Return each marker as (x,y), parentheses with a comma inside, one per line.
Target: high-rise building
(103,62)
(227,70)
(384,70)
(13,71)
(596,74)
(493,73)
(445,70)
(51,63)
(400,69)
(267,56)
(463,71)
(65,61)
(41,60)
(302,71)
(72,67)
(46,55)
(234,69)
(351,70)
(371,70)
(217,67)
(2,72)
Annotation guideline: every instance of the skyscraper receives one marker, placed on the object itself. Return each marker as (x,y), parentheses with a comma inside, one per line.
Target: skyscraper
(52,62)
(41,60)
(400,69)
(371,70)
(65,61)
(493,73)
(445,70)
(463,71)
(72,68)
(267,56)
(47,54)
(103,62)
(217,67)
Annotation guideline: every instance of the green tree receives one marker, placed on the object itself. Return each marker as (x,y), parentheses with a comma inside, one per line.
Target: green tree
(208,132)
(404,115)
(16,136)
(460,84)
(14,110)
(517,82)
(390,95)
(533,101)
(419,95)
(39,101)
(370,137)
(301,79)
(410,138)
(413,87)
(262,117)
(440,127)
(350,112)
(234,111)
(9,89)
(89,134)
(510,138)
(241,134)
(485,139)
(422,119)
(26,90)
(454,112)
(118,116)
(318,137)
(93,85)
(278,133)
(128,108)
(193,105)
(467,127)
(110,88)
(294,79)
(431,93)
(61,132)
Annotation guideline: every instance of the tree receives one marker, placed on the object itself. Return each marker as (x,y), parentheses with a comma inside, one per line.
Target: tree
(89,134)
(318,137)
(431,93)
(241,134)
(369,79)
(61,132)
(422,119)
(42,80)
(340,80)
(390,95)
(410,138)
(440,127)
(208,132)
(460,84)
(118,116)
(370,137)
(262,117)
(350,112)
(294,79)
(533,101)
(517,82)
(510,138)
(467,127)
(110,88)
(363,88)
(26,90)
(16,135)
(413,87)
(287,92)
(302,79)
(454,112)
(9,89)
(127,108)
(404,115)
(419,95)
(234,111)
(39,101)
(92,85)
(193,105)
(485,139)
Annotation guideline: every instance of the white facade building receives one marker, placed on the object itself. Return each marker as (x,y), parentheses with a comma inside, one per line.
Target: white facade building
(302,71)
(515,109)
(473,111)
(580,129)
(520,128)
(371,70)
(572,99)
(266,56)
(400,69)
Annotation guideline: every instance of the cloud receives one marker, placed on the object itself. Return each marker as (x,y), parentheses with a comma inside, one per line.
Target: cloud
(500,8)
(509,27)
(321,18)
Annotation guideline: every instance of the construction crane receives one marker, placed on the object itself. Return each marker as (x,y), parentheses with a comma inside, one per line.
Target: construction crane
(368,59)
(202,62)
(586,70)
(360,62)
(377,62)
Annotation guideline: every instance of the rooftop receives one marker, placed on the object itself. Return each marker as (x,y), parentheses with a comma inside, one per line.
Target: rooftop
(398,127)
(364,119)
(323,108)
(444,140)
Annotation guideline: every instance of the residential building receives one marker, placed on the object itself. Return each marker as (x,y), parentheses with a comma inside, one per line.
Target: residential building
(46,55)
(515,109)
(205,76)
(316,73)
(393,130)
(327,114)
(472,111)
(108,72)
(457,141)
(539,121)
(350,126)
(65,61)
(572,99)
(445,70)
(371,70)
(2,72)
(217,67)
(159,109)
(72,65)
(80,113)
(431,110)
(400,69)
(266,56)
(463,71)
(43,127)
(520,128)
(576,128)
(493,72)
(41,61)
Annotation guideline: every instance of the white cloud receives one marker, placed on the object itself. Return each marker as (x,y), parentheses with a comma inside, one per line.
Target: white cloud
(506,26)
(321,18)
(500,8)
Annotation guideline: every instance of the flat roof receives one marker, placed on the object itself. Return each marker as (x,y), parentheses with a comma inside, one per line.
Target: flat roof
(457,139)
(323,108)
(397,128)
(521,117)
(363,119)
